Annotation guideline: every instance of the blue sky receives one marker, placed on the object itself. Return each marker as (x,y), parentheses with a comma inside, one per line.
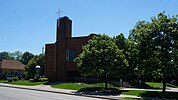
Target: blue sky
(27,25)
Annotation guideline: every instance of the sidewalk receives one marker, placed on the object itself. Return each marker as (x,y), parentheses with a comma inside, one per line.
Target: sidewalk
(48,88)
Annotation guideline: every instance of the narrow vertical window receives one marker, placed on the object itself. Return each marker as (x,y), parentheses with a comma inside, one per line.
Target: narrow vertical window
(67,55)
(70,55)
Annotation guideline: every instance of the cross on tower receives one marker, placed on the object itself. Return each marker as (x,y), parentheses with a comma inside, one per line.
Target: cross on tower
(59,12)
(59,16)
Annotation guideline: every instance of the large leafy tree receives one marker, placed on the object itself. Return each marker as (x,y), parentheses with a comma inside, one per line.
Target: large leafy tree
(26,57)
(17,55)
(101,58)
(5,55)
(37,60)
(129,48)
(157,43)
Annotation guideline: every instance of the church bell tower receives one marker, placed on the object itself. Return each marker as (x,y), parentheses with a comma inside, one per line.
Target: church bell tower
(64,28)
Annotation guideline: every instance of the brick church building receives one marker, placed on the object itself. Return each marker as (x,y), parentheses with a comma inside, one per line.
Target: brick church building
(59,65)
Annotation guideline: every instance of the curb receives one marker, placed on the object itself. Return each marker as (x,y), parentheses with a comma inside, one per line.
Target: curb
(62,92)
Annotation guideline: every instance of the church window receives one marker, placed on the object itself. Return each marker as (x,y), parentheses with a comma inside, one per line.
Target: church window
(70,55)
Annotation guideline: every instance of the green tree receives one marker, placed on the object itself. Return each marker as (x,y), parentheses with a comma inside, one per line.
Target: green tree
(5,55)
(121,42)
(129,49)
(101,58)
(26,57)
(31,66)
(157,42)
(17,55)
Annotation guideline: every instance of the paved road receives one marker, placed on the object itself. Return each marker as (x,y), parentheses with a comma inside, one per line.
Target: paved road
(7,93)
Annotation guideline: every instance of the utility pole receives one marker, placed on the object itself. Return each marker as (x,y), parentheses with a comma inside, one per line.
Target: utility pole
(43,50)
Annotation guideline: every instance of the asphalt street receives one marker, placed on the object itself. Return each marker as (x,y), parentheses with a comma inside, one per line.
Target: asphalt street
(7,93)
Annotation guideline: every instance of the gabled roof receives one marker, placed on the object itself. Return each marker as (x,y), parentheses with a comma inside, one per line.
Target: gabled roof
(12,64)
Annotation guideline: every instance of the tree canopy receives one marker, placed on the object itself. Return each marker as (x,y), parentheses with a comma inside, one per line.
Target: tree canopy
(37,60)
(128,46)
(101,58)
(26,57)
(157,44)
(17,55)
(5,55)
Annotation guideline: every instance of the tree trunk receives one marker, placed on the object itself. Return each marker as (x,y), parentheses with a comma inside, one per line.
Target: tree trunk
(106,82)
(106,85)
(164,84)
(105,78)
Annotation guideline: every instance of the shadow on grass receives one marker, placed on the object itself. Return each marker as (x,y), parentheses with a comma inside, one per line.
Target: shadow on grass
(159,94)
(170,85)
(100,91)
(114,92)
(6,82)
(146,86)
(53,83)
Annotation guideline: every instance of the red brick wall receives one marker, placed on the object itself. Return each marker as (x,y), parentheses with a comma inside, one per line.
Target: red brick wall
(64,28)
(56,67)
(50,69)
(75,44)
(56,64)
(60,59)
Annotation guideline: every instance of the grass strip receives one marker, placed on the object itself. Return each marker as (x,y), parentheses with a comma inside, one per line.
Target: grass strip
(23,82)
(154,94)
(78,86)
(159,85)
(71,86)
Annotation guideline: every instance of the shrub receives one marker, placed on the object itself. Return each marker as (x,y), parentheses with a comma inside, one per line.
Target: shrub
(134,83)
(31,80)
(91,89)
(16,78)
(43,79)
(174,82)
(39,80)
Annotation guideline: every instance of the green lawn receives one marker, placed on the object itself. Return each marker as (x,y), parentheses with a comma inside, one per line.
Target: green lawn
(154,84)
(159,94)
(133,92)
(78,86)
(99,86)
(71,86)
(170,85)
(127,98)
(159,85)
(142,93)
(22,82)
